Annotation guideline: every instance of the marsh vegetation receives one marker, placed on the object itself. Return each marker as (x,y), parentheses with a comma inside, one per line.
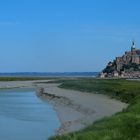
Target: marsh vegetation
(121,126)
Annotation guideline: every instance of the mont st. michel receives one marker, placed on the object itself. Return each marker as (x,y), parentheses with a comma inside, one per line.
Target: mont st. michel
(127,66)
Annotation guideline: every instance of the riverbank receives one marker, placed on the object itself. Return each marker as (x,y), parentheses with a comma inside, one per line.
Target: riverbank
(76,109)
(124,125)
(18,83)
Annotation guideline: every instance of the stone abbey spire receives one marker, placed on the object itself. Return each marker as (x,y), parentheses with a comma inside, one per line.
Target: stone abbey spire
(133,47)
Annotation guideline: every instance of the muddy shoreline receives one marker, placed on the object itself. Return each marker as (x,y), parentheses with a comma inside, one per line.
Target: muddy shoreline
(75,109)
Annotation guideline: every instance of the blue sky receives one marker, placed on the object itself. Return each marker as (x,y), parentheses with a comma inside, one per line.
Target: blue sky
(65,35)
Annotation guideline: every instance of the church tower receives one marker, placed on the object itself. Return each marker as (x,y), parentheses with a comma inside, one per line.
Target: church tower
(133,47)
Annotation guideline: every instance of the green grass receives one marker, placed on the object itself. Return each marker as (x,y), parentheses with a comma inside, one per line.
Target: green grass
(121,126)
(121,89)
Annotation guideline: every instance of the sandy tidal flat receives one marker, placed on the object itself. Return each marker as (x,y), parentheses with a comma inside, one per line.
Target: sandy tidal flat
(77,109)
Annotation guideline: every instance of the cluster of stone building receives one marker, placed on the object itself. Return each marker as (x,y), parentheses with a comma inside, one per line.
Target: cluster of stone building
(115,68)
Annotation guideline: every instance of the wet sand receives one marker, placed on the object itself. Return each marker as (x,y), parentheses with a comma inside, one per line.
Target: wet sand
(75,109)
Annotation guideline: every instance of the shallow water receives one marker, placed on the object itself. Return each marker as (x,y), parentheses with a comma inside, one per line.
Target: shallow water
(24,116)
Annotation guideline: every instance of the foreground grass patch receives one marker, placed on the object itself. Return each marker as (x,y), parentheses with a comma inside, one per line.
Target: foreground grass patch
(121,126)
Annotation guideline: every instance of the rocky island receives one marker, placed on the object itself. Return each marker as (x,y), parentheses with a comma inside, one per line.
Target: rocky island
(126,66)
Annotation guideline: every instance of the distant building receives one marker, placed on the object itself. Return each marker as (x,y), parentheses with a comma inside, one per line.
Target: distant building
(115,74)
(102,75)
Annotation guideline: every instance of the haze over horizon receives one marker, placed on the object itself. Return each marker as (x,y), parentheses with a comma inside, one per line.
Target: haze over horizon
(65,36)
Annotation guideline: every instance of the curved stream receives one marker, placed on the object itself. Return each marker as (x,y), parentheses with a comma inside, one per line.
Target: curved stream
(24,116)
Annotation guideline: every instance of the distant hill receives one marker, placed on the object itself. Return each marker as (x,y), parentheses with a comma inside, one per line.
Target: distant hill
(50,74)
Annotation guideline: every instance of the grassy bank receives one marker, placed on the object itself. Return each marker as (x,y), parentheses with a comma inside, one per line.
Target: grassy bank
(121,126)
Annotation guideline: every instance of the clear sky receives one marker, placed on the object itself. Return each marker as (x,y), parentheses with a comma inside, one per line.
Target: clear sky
(65,35)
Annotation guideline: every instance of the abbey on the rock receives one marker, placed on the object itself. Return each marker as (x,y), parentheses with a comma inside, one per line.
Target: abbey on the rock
(127,65)
(132,56)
